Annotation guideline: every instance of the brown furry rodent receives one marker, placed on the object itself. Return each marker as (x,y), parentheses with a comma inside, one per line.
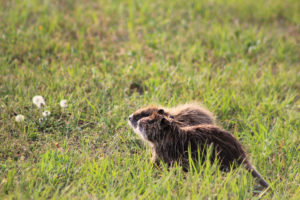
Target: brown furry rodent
(188,114)
(171,143)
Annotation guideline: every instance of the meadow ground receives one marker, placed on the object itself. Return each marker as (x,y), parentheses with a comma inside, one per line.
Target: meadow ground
(108,58)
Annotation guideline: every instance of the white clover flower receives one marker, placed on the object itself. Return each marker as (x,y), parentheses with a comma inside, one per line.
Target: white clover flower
(39,101)
(46,113)
(63,103)
(20,118)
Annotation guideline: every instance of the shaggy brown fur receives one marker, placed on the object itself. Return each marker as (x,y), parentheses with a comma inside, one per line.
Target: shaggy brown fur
(188,114)
(171,143)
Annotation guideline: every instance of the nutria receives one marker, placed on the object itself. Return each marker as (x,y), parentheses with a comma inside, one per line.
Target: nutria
(171,143)
(188,114)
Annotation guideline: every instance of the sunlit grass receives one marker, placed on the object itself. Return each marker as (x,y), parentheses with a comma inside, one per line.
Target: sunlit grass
(108,58)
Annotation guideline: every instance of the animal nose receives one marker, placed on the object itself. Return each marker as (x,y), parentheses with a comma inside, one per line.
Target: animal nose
(130,117)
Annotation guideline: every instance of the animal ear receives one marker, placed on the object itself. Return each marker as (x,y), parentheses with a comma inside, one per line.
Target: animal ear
(161,111)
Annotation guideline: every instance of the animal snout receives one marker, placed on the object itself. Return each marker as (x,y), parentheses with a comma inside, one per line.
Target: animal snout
(130,118)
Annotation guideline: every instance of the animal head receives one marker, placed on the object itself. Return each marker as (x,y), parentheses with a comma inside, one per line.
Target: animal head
(154,127)
(145,112)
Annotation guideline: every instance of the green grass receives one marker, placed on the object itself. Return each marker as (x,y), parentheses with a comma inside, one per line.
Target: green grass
(109,58)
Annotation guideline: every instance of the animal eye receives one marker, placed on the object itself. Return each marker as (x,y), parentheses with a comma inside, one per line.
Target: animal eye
(171,116)
(140,116)
(144,115)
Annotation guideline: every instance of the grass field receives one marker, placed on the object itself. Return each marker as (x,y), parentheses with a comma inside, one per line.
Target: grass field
(108,58)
